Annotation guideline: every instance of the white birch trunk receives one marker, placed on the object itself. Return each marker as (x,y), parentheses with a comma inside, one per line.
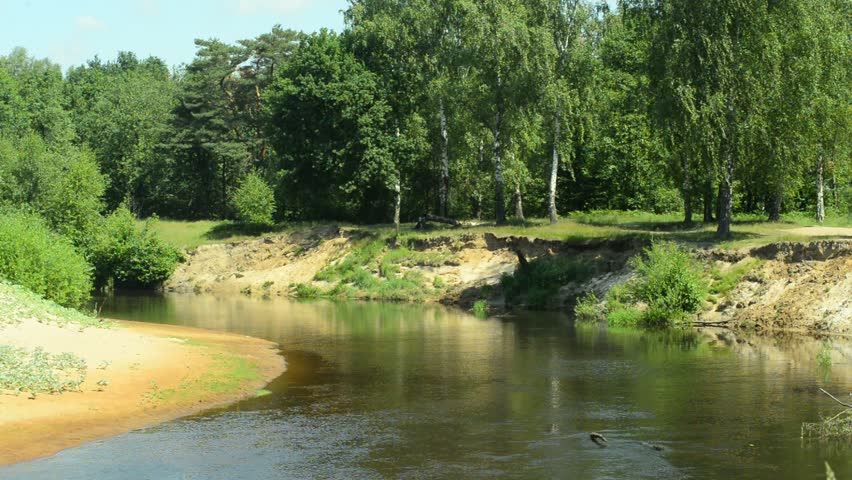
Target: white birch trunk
(445,163)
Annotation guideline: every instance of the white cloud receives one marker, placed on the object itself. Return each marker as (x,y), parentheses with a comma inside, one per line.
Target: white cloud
(89,23)
(249,7)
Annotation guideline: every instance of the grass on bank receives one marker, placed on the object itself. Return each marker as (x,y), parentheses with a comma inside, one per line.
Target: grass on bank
(17,302)
(748,229)
(376,269)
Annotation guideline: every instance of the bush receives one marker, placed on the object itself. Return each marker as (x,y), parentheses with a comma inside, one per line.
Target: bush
(588,309)
(42,261)
(669,281)
(624,317)
(254,202)
(305,290)
(129,257)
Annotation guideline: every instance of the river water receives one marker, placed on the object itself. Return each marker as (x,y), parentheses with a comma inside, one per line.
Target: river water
(410,392)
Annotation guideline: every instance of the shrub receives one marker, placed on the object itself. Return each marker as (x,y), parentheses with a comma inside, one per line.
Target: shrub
(129,256)
(624,317)
(480,308)
(254,202)
(304,290)
(669,281)
(588,309)
(42,261)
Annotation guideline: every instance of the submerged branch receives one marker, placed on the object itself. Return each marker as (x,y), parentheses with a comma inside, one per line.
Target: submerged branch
(835,399)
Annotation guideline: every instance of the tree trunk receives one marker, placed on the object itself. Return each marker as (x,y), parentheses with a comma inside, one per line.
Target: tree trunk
(397,193)
(726,198)
(499,206)
(519,203)
(708,202)
(687,193)
(554,168)
(835,195)
(445,163)
(775,205)
(820,192)
(397,204)
(478,198)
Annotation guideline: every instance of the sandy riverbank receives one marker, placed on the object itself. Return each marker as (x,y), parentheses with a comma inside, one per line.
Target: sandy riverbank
(155,373)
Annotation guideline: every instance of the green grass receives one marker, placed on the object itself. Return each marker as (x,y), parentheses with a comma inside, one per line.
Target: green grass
(723,282)
(192,234)
(228,374)
(748,229)
(373,270)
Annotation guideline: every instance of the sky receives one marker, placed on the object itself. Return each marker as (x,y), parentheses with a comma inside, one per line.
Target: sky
(70,32)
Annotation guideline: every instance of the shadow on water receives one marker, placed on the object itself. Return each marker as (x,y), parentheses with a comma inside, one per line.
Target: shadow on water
(399,391)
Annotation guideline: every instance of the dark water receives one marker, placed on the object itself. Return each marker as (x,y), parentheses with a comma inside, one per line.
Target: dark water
(389,391)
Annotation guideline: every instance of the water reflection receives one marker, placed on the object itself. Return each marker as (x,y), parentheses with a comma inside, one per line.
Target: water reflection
(392,391)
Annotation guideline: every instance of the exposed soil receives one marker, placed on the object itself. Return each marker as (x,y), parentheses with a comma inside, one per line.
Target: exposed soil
(155,373)
(801,287)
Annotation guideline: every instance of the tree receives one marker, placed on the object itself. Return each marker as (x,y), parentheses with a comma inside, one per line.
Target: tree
(568,81)
(38,105)
(122,110)
(503,45)
(712,53)
(254,201)
(332,129)
(830,115)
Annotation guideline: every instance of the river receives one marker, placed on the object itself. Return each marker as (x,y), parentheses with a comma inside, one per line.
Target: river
(401,391)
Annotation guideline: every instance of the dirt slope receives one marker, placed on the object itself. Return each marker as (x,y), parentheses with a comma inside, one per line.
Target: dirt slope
(801,286)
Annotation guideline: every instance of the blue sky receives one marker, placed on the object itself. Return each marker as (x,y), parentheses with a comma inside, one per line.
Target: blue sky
(69,32)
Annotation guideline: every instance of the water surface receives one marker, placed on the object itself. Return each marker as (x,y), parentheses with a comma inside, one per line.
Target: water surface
(393,391)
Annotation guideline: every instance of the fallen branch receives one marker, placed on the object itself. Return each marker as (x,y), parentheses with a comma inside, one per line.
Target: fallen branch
(421,222)
(835,399)
(699,323)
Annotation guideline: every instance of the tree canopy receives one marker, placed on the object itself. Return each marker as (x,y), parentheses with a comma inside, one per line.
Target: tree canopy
(465,108)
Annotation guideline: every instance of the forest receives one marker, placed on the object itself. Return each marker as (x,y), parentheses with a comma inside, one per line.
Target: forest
(486,109)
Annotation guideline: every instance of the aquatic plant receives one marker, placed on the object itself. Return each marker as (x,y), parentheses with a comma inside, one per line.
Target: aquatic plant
(480,308)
